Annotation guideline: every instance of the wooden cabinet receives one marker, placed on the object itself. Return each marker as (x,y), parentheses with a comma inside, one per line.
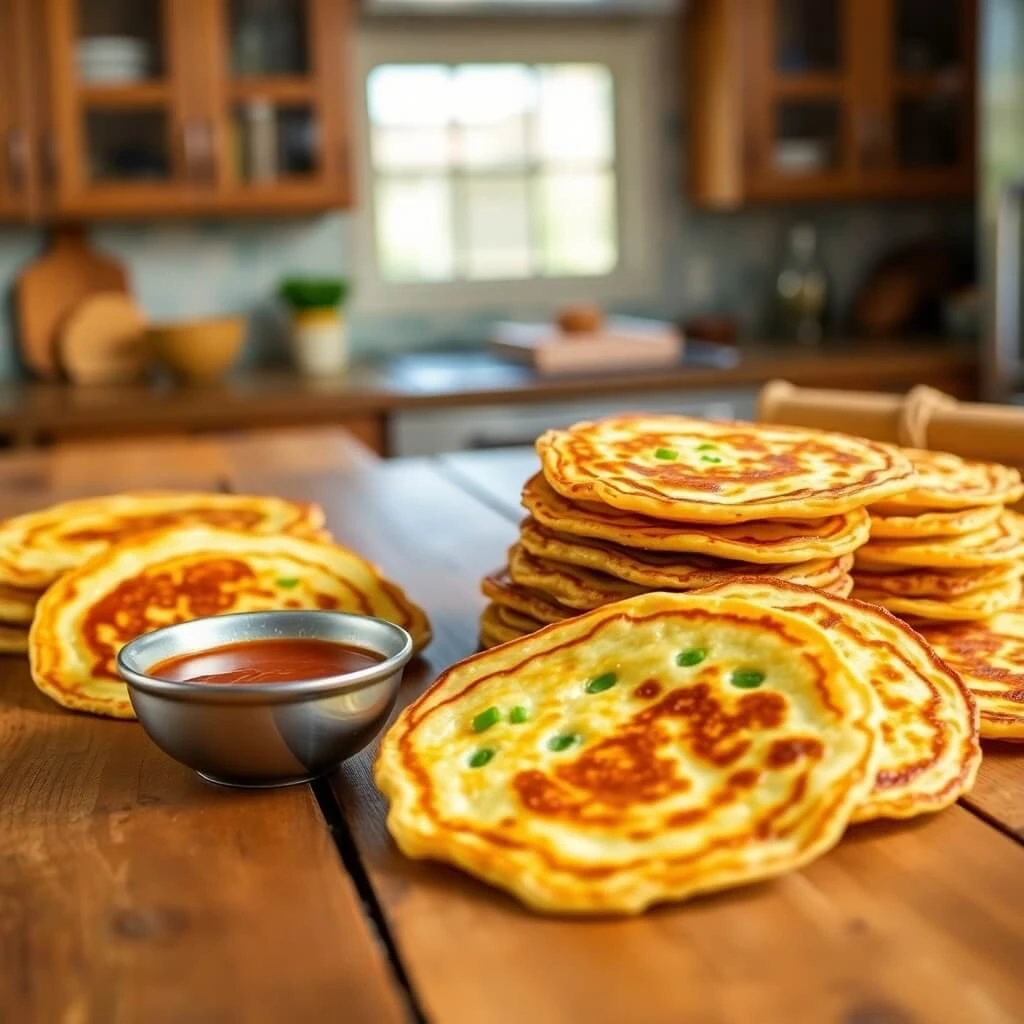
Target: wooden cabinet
(178,107)
(19,184)
(830,99)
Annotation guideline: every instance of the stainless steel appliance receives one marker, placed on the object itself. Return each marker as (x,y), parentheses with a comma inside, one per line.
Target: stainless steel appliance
(1001,167)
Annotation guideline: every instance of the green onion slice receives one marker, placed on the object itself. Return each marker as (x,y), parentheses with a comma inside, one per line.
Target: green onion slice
(492,716)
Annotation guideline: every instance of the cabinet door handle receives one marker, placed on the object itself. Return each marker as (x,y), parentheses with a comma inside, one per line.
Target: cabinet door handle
(17,161)
(198,151)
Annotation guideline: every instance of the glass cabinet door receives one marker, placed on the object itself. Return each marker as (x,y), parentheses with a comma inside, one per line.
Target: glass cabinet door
(930,97)
(17,187)
(280,97)
(121,142)
(804,92)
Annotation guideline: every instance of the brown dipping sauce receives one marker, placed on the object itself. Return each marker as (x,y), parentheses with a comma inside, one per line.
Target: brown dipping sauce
(266,661)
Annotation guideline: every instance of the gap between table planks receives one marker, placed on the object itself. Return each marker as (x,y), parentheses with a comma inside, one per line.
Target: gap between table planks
(130,890)
(902,922)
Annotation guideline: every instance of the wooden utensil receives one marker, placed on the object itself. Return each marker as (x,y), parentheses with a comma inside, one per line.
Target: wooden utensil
(53,286)
(102,341)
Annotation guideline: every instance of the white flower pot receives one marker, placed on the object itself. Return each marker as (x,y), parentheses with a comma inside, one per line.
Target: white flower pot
(319,342)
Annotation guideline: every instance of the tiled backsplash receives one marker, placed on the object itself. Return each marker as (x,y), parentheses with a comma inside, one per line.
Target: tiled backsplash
(713,261)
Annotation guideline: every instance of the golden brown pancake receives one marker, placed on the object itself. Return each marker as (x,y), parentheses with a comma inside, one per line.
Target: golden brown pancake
(997,544)
(690,470)
(497,626)
(989,656)
(930,752)
(584,588)
(939,584)
(501,590)
(922,523)
(13,639)
(946,481)
(978,604)
(158,579)
(18,605)
(770,542)
(661,747)
(35,549)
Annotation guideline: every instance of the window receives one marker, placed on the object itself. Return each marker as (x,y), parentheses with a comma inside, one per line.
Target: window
(492,180)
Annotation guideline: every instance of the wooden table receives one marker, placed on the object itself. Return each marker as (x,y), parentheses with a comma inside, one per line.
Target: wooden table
(131,891)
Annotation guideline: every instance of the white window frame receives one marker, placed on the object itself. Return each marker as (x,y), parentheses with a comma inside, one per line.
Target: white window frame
(631,52)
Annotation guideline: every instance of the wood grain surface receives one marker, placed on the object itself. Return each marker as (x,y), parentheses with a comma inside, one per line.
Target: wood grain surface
(131,891)
(121,874)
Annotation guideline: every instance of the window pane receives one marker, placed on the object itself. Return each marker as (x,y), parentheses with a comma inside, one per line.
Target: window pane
(497,228)
(414,95)
(493,104)
(928,131)
(576,214)
(268,37)
(928,35)
(413,220)
(396,148)
(576,112)
(120,41)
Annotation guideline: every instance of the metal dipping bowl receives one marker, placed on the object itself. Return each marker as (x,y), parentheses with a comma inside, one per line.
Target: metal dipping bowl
(265,734)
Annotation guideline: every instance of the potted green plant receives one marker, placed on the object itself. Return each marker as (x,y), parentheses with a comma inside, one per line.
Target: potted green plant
(319,336)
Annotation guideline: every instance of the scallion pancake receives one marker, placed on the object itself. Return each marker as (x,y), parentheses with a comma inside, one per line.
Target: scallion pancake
(930,752)
(18,604)
(978,604)
(997,544)
(501,590)
(946,481)
(13,639)
(989,656)
(661,570)
(658,748)
(938,584)
(158,579)
(706,471)
(769,542)
(35,549)
(586,588)
(500,625)
(951,523)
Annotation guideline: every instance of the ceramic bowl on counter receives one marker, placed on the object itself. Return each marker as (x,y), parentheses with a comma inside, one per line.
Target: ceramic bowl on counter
(198,351)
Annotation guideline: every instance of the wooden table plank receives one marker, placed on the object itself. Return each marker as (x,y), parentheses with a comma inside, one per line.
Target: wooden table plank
(999,792)
(918,921)
(496,477)
(130,890)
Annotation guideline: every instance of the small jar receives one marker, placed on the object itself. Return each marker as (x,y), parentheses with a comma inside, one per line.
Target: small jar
(319,340)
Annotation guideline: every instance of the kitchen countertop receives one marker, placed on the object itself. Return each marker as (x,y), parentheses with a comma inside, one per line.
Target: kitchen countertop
(31,412)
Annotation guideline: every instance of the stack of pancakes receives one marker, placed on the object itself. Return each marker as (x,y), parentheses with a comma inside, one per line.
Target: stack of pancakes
(948,556)
(668,503)
(81,579)
(948,549)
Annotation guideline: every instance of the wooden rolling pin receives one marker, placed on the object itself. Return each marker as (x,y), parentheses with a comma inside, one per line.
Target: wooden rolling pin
(934,420)
(861,413)
(924,418)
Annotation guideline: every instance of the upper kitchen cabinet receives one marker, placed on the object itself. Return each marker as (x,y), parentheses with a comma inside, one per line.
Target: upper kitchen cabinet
(829,99)
(206,107)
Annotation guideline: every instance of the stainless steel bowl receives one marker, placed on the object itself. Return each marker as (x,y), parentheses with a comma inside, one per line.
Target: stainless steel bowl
(265,734)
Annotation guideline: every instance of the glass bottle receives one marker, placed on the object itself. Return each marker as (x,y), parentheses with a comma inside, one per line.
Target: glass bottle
(802,288)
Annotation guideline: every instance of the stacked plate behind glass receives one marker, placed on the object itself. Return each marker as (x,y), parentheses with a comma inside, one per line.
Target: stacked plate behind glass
(666,503)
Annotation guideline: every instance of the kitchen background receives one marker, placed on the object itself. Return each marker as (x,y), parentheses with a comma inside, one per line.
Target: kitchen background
(759,119)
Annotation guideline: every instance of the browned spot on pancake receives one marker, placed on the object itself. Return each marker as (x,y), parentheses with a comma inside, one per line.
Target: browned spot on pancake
(325,602)
(681,819)
(711,729)
(785,751)
(737,781)
(124,526)
(624,769)
(648,689)
(743,779)
(194,591)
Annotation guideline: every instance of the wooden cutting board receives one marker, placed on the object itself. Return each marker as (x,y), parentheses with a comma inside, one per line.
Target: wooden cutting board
(102,340)
(52,286)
